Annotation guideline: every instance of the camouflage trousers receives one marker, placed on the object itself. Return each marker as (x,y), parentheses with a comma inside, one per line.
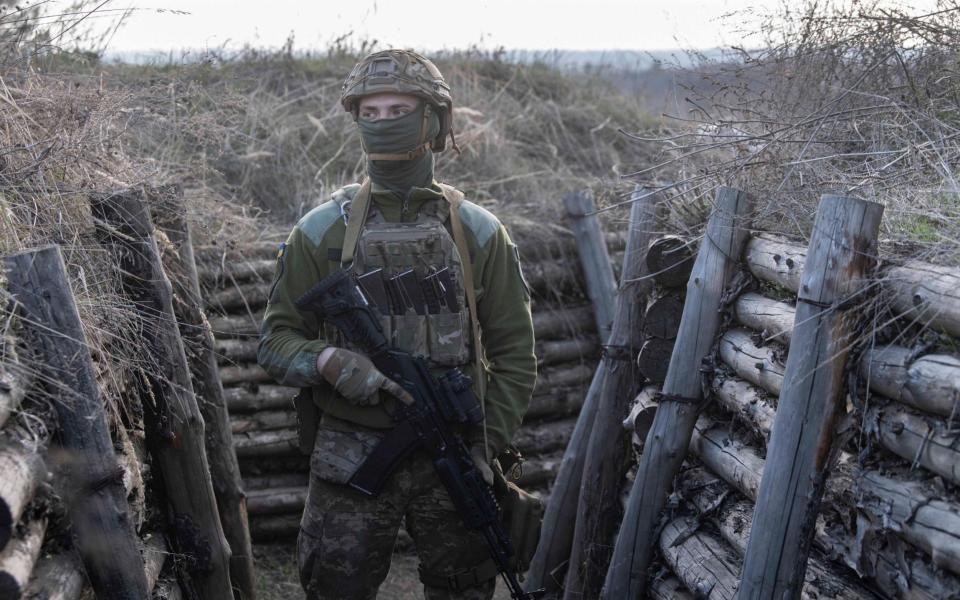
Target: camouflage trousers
(346,538)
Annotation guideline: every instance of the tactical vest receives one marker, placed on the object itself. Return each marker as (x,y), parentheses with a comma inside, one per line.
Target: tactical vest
(413,273)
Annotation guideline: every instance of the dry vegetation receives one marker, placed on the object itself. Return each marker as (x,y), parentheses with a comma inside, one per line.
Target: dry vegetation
(855,98)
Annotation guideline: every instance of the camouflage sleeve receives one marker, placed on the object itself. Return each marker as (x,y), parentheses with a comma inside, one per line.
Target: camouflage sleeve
(503,307)
(289,343)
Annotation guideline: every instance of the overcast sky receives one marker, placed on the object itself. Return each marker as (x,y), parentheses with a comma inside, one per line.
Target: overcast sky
(432,24)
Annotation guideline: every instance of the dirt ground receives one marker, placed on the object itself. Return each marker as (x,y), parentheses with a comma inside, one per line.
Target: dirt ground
(277,579)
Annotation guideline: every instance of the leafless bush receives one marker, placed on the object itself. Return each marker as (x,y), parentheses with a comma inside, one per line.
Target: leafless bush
(857,98)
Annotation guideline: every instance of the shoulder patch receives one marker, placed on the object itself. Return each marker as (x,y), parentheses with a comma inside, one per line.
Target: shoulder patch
(316,223)
(479,221)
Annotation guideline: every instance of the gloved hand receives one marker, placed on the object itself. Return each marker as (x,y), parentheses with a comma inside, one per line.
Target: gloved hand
(480,459)
(355,377)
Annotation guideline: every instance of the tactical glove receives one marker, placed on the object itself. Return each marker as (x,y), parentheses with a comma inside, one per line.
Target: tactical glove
(480,458)
(355,377)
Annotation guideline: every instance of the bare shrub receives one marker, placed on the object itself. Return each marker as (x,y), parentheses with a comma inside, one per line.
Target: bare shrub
(856,98)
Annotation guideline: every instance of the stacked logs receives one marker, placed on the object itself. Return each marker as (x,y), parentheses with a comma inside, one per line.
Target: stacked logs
(263,421)
(889,523)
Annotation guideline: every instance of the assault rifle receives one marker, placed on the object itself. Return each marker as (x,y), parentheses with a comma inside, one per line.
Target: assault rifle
(440,404)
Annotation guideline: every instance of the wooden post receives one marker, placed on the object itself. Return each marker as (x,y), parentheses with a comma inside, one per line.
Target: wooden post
(841,253)
(174,426)
(608,450)
(96,501)
(667,441)
(171,217)
(601,284)
(556,533)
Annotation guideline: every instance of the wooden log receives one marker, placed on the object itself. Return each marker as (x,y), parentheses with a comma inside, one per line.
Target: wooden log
(563,323)
(662,316)
(56,577)
(760,365)
(231,351)
(168,589)
(234,375)
(739,464)
(274,501)
(669,436)
(244,270)
(812,400)
(272,528)
(895,572)
(608,450)
(776,260)
(249,297)
(174,424)
(554,404)
(19,557)
(594,258)
(747,401)
(266,443)
(559,518)
(930,383)
(23,468)
(539,471)
(15,378)
(276,480)
(255,466)
(734,517)
(94,495)
(653,360)
(544,438)
(926,294)
(263,421)
(704,563)
(198,340)
(925,441)
(571,376)
(155,552)
(668,587)
(255,398)
(562,351)
(915,511)
(640,419)
(773,319)
(669,260)
(241,325)
(236,253)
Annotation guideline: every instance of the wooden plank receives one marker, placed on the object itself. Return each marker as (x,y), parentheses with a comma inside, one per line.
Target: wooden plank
(171,218)
(93,492)
(608,449)
(174,424)
(839,259)
(594,258)
(669,436)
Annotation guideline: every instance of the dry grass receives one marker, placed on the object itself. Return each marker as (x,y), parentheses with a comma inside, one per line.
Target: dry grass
(858,98)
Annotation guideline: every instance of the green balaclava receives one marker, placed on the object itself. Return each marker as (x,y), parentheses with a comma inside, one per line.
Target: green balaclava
(396,136)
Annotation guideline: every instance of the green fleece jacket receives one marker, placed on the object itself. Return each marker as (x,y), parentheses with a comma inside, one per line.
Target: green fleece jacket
(290,340)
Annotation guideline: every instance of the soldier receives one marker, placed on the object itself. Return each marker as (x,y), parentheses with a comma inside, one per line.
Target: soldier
(441,268)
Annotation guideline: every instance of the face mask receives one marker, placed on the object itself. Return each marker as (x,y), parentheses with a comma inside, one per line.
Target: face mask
(395,136)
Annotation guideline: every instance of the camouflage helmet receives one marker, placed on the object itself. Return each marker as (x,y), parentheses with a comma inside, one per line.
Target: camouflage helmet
(403,72)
